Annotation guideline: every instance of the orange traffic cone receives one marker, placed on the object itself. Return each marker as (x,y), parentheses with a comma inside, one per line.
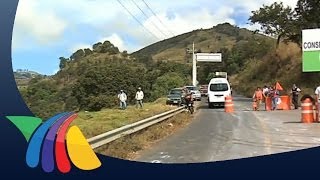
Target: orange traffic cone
(228,105)
(307,111)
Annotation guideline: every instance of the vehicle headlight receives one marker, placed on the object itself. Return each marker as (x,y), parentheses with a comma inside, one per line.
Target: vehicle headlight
(168,99)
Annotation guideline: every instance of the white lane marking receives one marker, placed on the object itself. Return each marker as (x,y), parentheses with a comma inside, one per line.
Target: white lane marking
(155,161)
(165,157)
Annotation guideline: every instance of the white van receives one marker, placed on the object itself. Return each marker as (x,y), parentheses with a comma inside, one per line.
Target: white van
(218,89)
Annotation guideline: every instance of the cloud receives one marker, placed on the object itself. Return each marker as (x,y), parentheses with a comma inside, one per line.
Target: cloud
(46,21)
(32,23)
(184,21)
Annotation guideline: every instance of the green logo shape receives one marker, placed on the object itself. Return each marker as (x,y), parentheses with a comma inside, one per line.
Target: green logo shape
(26,124)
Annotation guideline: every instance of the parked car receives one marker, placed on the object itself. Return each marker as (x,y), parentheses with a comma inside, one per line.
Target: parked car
(204,90)
(195,92)
(175,96)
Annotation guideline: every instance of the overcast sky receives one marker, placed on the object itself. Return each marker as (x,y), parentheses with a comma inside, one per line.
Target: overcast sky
(45,30)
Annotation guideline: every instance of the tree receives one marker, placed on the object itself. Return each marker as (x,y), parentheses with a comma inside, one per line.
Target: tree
(166,82)
(96,47)
(77,55)
(87,51)
(63,62)
(307,14)
(275,20)
(125,54)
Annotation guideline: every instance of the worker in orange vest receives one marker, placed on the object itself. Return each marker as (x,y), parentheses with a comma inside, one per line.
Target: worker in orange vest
(257,98)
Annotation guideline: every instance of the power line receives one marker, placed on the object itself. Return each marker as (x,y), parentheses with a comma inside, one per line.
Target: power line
(165,35)
(157,17)
(137,19)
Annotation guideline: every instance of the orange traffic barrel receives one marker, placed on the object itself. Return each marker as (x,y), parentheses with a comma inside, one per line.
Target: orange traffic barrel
(268,104)
(307,111)
(228,105)
(285,103)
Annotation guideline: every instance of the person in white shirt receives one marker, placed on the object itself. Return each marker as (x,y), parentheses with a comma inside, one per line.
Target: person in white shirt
(265,90)
(139,97)
(123,98)
(317,93)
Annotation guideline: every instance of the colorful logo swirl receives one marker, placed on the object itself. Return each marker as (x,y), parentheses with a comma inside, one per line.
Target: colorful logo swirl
(53,144)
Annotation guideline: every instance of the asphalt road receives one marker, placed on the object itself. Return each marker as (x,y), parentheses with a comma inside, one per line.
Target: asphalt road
(215,135)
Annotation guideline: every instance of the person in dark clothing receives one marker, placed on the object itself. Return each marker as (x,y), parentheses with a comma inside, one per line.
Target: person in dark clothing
(295,95)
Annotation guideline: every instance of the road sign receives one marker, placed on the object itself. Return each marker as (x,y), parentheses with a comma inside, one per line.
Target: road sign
(311,50)
(209,57)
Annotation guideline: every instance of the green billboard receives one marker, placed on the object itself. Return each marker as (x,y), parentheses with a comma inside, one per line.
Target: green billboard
(311,50)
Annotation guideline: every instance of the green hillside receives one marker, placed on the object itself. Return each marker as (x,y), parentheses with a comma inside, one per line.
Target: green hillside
(206,40)
(237,45)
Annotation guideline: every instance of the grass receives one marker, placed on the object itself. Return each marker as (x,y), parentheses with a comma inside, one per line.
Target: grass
(128,147)
(95,123)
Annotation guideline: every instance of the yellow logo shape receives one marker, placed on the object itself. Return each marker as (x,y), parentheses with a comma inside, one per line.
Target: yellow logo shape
(80,151)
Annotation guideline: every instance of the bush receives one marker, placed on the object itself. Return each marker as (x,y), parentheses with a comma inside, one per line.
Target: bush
(166,82)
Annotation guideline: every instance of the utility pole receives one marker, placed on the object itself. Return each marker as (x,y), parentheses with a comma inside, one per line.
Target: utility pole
(194,67)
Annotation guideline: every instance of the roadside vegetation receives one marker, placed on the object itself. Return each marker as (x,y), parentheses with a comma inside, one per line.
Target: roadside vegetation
(130,146)
(95,123)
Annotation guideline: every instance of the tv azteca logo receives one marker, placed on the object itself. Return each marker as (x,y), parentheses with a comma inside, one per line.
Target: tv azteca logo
(53,143)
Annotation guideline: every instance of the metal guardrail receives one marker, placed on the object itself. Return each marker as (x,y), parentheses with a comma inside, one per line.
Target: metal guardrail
(115,134)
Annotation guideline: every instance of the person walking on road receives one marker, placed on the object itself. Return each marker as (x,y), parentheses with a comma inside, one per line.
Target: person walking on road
(257,98)
(317,93)
(295,95)
(139,98)
(274,93)
(265,91)
(123,98)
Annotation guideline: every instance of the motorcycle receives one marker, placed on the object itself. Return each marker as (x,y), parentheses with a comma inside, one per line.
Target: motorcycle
(189,104)
(190,108)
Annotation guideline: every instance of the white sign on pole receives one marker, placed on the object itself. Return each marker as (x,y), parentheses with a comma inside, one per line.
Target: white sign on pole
(209,57)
